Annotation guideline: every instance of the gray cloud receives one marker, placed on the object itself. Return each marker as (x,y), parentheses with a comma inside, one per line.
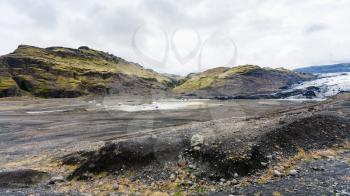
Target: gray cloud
(315,28)
(41,13)
(268,33)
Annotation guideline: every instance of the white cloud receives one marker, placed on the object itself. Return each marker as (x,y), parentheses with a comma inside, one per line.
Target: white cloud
(271,33)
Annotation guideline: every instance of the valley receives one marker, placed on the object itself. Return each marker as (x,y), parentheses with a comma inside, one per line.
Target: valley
(82,121)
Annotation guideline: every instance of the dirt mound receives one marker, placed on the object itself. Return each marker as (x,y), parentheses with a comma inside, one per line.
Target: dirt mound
(134,153)
(314,132)
(22,178)
(221,157)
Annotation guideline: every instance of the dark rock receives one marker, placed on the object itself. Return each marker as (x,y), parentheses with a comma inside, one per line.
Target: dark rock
(309,94)
(56,179)
(22,178)
(313,88)
(305,133)
(84,48)
(75,158)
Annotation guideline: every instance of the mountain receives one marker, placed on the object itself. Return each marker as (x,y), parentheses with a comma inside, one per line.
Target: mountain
(58,72)
(64,72)
(240,81)
(344,67)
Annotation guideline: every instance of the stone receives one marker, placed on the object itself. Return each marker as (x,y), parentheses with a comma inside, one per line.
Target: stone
(182,163)
(331,157)
(197,140)
(317,168)
(234,182)
(343,192)
(196,148)
(263,164)
(235,175)
(293,172)
(276,167)
(25,177)
(277,173)
(190,183)
(116,186)
(56,179)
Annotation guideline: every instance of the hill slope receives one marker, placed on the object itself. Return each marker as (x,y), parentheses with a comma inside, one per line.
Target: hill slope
(243,80)
(345,67)
(65,72)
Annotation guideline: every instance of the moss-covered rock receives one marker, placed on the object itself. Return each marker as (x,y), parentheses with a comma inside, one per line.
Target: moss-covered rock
(8,87)
(66,72)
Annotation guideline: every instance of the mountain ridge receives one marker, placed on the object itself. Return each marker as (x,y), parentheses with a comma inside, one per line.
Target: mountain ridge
(60,72)
(334,68)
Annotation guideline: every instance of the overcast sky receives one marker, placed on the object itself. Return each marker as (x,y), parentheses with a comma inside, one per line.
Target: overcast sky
(186,36)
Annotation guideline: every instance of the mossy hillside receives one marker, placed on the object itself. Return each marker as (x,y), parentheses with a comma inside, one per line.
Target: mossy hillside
(8,86)
(65,72)
(211,77)
(85,60)
(6,83)
(245,79)
(244,69)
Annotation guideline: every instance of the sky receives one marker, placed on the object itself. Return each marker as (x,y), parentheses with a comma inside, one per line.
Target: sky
(181,36)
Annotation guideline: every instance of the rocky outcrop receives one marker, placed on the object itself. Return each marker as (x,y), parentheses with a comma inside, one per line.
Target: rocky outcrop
(64,72)
(22,178)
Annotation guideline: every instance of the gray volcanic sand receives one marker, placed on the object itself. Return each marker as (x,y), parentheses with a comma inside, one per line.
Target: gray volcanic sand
(48,126)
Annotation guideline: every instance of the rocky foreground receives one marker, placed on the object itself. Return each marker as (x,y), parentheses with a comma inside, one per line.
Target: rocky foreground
(301,149)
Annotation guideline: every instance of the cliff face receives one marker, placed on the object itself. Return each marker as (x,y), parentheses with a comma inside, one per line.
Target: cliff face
(243,80)
(63,72)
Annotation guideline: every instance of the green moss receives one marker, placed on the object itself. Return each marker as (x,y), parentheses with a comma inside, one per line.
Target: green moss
(244,69)
(40,73)
(195,84)
(68,83)
(6,83)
